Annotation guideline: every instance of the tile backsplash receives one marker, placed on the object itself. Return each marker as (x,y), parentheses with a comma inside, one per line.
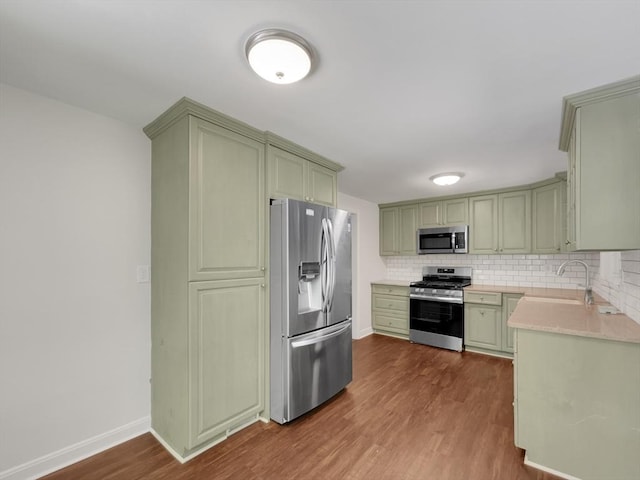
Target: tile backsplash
(620,284)
(501,270)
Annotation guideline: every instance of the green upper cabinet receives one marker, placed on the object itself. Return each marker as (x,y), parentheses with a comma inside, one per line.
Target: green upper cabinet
(483,224)
(322,185)
(548,204)
(389,229)
(500,223)
(408,215)
(600,130)
(227,184)
(514,222)
(398,230)
(287,174)
(444,212)
(291,175)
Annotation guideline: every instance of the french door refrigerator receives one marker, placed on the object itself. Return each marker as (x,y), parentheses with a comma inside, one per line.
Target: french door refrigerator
(310,306)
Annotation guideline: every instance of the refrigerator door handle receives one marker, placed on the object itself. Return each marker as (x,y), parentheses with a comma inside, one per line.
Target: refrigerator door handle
(320,338)
(331,265)
(323,266)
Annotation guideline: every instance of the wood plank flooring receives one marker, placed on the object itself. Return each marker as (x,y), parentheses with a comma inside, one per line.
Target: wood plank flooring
(412,412)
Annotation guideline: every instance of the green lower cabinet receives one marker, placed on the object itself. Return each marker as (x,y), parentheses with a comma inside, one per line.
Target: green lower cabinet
(509,302)
(226,351)
(577,404)
(390,310)
(483,326)
(485,322)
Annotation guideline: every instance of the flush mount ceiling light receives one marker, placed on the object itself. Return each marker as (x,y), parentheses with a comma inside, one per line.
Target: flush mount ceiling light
(279,56)
(446,178)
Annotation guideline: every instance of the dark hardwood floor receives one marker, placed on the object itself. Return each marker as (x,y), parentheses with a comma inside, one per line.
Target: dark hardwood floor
(412,412)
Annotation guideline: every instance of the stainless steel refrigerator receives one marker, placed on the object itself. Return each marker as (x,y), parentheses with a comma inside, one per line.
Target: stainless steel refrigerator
(310,303)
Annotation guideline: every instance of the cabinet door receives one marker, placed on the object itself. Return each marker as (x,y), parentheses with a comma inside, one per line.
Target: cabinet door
(608,175)
(287,174)
(226,196)
(391,322)
(483,225)
(407,240)
(456,212)
(226,356)
(430,214)
(547,211)
(514,222)
(322,186)
(509,305)
(389,231)
(483,326)
(570,242)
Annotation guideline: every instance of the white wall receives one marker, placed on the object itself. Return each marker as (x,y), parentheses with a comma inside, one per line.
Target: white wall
(368,266)
(74,322)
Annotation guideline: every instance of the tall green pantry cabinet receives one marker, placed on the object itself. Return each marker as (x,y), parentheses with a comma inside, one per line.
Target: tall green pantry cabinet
(208,277)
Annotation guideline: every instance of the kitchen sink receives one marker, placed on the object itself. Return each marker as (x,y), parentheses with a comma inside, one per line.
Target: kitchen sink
(565,301)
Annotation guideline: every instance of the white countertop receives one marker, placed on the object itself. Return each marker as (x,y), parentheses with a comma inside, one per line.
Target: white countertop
(397,283)
(573,318)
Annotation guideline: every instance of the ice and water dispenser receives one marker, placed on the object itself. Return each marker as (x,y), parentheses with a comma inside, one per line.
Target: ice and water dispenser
(309,287)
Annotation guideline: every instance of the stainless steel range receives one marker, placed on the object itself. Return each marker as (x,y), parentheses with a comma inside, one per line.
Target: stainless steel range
(436,307)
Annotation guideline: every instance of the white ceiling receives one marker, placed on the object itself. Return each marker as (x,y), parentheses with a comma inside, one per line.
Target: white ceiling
(403,89)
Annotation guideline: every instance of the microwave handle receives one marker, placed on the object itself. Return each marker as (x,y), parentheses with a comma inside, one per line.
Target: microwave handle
(453,240)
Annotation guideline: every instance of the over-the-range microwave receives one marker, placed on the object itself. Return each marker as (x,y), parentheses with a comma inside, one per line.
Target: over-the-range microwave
(443,240)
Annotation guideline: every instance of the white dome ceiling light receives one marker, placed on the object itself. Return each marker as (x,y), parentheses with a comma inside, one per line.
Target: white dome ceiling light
(279,56)
(444,179)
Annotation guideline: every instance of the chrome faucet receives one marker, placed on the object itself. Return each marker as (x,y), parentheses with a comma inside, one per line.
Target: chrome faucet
(588,293)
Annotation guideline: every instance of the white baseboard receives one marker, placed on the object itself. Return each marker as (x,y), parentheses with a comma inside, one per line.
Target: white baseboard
(365,332)
(206,446)
(548,470)
(79,451)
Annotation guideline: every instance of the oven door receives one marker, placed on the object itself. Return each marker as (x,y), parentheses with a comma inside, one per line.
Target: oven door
(436,316)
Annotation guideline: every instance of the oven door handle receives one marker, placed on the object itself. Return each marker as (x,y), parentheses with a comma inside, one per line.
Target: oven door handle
(437,299)
(429,320)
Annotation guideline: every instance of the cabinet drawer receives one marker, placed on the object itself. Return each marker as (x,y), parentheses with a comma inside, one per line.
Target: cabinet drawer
(390,289)
(484,298)
(390,302)
(395,323)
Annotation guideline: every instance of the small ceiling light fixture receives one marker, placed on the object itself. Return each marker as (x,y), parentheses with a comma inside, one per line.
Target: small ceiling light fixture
(446,178)
(279,56)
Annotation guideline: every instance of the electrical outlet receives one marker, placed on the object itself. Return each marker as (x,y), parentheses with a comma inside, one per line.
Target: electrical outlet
(143,273)
(607,309)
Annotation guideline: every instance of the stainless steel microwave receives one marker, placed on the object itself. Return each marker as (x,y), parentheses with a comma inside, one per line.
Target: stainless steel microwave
(453,239)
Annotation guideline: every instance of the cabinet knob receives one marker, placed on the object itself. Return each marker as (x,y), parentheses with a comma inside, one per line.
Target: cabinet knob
(482,312)
(567,242)
(262,285)
(262,268)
